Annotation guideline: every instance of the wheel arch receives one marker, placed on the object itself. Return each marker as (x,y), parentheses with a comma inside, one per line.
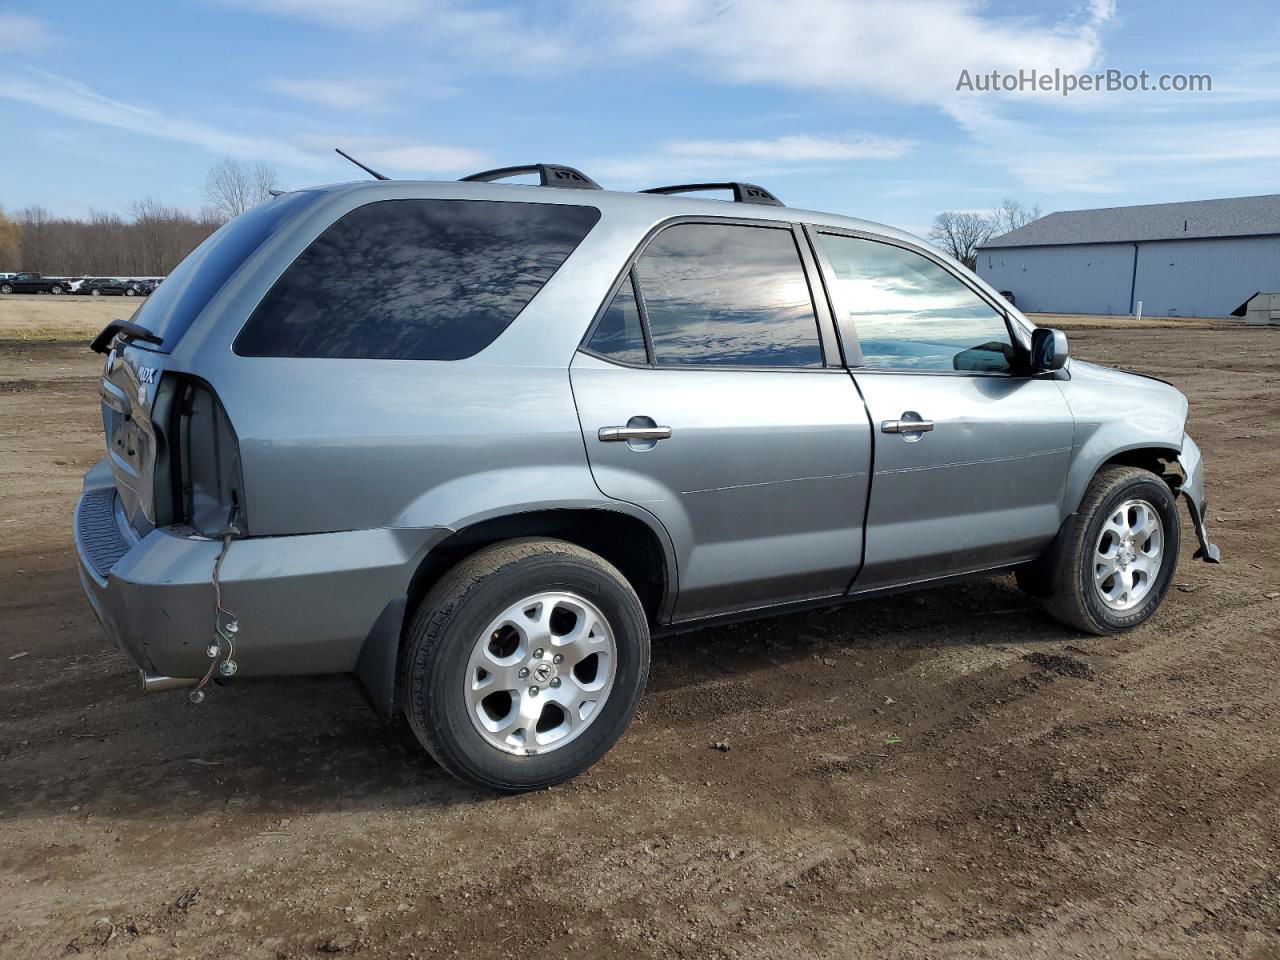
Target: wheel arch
(629,538)
(1155,457)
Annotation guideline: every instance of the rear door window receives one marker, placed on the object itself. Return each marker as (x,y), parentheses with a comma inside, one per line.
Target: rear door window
(718,294)
(414,280)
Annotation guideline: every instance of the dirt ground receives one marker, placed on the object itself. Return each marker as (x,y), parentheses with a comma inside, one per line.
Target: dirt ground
(947,774)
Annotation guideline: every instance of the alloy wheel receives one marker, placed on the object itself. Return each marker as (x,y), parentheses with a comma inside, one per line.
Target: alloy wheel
(540,673)
(1128,555)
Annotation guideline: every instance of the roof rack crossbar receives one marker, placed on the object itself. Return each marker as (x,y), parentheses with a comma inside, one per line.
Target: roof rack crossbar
(549,175)
(742,192)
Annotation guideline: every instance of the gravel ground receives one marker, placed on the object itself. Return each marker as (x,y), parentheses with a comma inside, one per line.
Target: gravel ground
(945,774)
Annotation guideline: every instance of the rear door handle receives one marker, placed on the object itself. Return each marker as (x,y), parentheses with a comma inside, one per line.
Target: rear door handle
(614,434)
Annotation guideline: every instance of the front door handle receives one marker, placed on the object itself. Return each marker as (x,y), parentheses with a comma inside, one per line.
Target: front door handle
(911,422)
(614,434)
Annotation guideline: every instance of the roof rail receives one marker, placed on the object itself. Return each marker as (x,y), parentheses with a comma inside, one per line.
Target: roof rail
(549,175)
(742,192)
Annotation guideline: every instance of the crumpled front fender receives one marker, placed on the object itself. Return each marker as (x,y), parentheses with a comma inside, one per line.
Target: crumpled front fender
(1192,463)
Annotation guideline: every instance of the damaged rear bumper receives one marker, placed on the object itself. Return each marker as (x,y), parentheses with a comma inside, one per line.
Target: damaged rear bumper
(1192,488)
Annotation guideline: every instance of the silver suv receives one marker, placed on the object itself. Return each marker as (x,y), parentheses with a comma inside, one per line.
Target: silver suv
(476,442)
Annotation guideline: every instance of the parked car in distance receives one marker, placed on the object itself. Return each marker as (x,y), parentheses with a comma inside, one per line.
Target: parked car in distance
(34,283)
(104,287)
(139,288)
(543,423)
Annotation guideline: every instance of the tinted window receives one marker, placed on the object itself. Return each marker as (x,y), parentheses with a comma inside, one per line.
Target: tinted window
(188,289)
(912,314)
(414,280)
(618,335)
(728,294)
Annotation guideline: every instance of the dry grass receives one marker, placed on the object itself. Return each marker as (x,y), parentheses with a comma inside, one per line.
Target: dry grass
(1090,321)
(44,317)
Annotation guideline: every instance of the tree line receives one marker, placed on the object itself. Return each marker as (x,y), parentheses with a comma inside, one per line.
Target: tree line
(961,233)
(149,240)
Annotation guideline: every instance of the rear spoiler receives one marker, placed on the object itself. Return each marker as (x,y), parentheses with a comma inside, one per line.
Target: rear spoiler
(102,342)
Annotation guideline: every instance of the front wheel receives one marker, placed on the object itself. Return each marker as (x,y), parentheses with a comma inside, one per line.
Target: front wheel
(1118,553)
(6,288)
(525,664)
(56,290)
(130,292)
(95,292)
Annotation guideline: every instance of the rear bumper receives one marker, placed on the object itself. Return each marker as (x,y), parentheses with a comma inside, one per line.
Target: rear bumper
(306,604)
(1192,464)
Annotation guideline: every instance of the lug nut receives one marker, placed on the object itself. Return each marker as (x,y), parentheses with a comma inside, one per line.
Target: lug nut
(537,654)
(524,672)
(555,681)
(558,658)
(533,691)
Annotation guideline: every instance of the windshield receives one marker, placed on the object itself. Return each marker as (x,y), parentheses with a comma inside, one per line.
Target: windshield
(170,310)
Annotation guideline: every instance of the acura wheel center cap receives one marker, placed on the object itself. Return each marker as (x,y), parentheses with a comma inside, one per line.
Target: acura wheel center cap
(543,672)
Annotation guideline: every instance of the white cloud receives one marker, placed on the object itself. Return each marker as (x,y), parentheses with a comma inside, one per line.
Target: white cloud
(21,34)
(718,159)
(512,39)
(80,102)
(905,52)
(794,149)
(386,154)
(335,94)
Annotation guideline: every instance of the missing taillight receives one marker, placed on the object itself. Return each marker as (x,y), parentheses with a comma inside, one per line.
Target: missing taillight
(198,480)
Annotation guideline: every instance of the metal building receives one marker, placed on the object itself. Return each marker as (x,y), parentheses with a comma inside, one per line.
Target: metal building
(1203,258)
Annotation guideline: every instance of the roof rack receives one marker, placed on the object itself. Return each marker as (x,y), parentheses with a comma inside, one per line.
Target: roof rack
(742,192)
(549,175)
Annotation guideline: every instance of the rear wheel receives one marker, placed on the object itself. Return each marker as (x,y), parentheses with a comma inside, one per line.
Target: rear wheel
(1118,553)
(56,289)
(95,292)
(6,288)
(525,664)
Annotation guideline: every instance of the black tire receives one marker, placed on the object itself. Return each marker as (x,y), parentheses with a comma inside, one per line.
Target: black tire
(6,288)
(1073,598)
(56,289)
(95,292)
(130,292)
(452,617)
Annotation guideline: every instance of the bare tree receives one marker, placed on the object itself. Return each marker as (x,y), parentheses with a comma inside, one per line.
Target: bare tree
(10,243)
(233,186)
(1011,215)
(960,234)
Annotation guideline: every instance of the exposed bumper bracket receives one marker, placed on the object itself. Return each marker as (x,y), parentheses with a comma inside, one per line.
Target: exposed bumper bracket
(1192,489)
(1208,552)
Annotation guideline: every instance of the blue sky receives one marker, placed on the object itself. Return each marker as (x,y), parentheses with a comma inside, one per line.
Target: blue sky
(843,105)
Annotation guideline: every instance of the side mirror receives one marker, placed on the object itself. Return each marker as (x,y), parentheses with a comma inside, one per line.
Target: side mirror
(1048,349)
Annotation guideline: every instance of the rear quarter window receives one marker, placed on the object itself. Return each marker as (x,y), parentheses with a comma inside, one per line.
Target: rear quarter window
(414,280)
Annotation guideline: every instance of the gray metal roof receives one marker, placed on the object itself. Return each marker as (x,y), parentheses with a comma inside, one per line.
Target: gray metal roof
(1194,219)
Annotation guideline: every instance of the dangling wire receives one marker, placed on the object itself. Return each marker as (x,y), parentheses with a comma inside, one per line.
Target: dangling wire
(225,622)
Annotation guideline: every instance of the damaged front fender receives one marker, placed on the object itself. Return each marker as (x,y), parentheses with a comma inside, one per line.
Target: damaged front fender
(1192,488)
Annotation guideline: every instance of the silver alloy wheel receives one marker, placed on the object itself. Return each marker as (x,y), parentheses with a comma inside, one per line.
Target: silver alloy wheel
(540,673)
(1128,555)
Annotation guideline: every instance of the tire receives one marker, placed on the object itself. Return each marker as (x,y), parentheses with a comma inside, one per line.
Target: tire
(56,289)
(1098,548)
(6,288)
(130,292)
(458,633)
(95,292)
